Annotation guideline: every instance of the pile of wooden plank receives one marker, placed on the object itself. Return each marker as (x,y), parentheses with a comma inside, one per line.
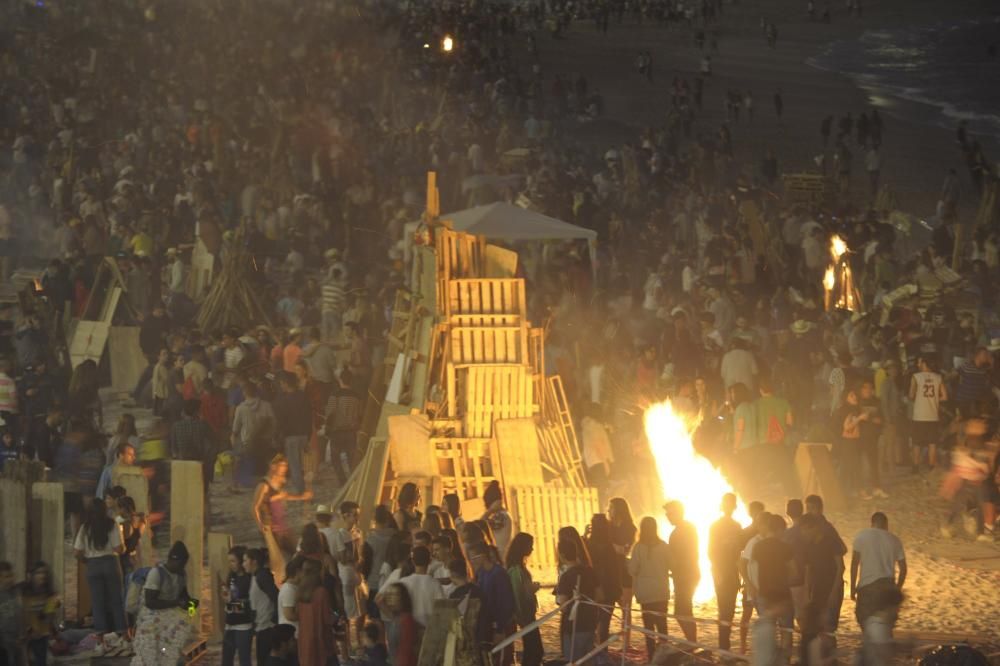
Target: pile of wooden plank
(468,402)
(231,301)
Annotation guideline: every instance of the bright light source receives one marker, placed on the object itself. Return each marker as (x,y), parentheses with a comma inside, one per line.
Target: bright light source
(837,247)
(687,476)
(447,44)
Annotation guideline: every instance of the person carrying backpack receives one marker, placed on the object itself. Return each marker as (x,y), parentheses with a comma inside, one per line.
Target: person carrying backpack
(164,626)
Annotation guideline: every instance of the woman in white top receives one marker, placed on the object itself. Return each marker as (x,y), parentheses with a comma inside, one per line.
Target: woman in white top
(649,567)
(98,544)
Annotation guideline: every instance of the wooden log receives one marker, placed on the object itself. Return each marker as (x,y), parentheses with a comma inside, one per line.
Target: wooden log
(218,570)
(187,515)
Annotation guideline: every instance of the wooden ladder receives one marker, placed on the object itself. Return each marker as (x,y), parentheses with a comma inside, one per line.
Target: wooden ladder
(559,408)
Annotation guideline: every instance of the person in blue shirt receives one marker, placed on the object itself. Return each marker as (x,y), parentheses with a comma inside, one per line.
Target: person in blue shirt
(498,595)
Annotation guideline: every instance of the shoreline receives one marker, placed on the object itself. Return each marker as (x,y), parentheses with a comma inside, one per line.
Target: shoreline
(914,156)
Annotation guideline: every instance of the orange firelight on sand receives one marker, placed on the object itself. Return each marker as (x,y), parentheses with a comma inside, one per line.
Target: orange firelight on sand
(689,477)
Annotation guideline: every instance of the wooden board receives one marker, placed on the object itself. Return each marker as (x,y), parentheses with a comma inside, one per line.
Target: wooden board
(88,341)
(814,465)
(14,518)
(409,445)
(517,444)
(500,262)
(127,360)
(218,570)
(47,505)
(542,510)
(187,514)
(435,639)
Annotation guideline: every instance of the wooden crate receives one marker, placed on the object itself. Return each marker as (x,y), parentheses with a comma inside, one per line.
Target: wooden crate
(542,510)
(486,297)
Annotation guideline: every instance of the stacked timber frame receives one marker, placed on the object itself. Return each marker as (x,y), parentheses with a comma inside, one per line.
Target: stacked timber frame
(468,401)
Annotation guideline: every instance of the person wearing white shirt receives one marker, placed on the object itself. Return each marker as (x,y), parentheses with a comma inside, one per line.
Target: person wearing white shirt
(875,585)
(423,589)
(99,543)
(287,614)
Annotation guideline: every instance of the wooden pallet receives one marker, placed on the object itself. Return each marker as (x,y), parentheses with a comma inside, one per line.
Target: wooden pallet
(488,344)
(486,297)
(480,394)
(466,465)
(542,510)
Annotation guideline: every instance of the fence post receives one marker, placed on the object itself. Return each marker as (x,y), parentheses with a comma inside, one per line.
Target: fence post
(626,626)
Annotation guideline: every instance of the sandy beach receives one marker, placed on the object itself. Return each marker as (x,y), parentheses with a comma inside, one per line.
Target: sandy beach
(915,155)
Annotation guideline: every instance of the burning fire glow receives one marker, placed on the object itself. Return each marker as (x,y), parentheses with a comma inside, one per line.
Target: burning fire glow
(838,282)
(688,476)
(837,247)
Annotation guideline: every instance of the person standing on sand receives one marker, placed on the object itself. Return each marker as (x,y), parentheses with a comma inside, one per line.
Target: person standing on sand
(779,105)
(748,105)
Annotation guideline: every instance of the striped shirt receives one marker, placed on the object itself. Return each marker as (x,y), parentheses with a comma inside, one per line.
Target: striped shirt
(334,295)
(973,383)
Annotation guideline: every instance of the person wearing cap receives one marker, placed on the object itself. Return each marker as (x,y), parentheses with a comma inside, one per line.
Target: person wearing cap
(163,627)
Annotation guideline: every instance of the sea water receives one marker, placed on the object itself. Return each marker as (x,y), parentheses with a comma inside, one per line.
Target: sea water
(940,74)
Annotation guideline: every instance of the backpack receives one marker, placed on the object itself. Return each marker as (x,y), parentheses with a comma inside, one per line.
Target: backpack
(133,589)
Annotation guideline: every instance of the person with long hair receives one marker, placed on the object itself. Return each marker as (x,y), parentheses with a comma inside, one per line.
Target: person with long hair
(622,537)
(608,570)
(269,505)
(649,567)
(569,533)
(98,543)
(407,516)
(315,617)
(525,603)
(401,629)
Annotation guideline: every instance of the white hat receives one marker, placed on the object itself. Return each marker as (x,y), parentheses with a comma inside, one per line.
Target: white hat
(994,344)
(323,510)
(331,253)
(801,326)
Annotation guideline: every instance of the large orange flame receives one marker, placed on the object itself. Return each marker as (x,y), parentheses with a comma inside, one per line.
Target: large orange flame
(688,476)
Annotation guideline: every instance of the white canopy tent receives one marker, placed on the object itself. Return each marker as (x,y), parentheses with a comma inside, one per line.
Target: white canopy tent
(504,221)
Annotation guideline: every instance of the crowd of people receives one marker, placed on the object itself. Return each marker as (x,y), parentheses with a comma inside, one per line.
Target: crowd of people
(304,136)
(367,597)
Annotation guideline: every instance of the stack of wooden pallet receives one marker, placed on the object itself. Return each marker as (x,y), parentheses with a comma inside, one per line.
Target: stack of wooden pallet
(468,400)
